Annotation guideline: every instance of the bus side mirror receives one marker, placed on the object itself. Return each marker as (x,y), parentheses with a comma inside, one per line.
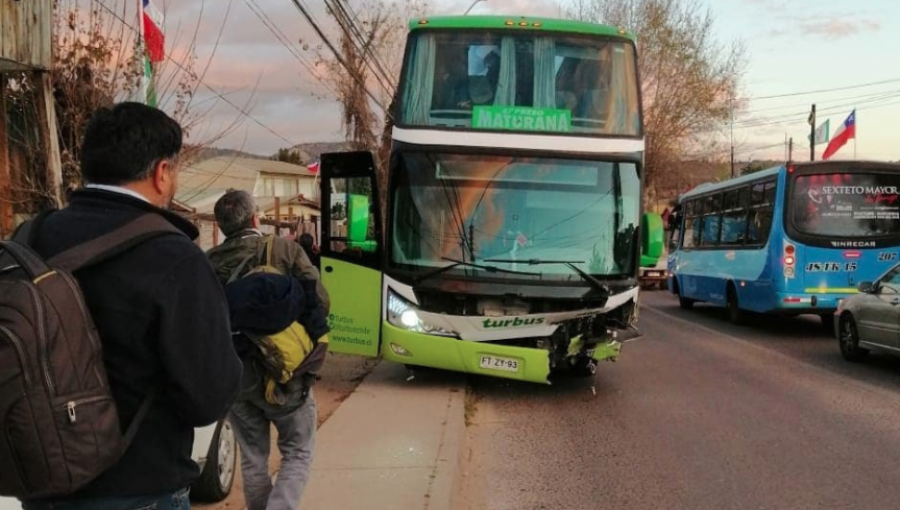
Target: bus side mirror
(652,239)
(867,288)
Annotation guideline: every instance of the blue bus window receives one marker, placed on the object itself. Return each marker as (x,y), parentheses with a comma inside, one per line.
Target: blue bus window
(734,225)
(711,225)
(744,197)
(713,204)
(691,233)
(760,223)
(758,193)
(769,197)
(731,200)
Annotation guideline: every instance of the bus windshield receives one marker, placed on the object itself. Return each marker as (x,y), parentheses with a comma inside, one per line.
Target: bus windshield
(846,204)
(530,81)
(485,209)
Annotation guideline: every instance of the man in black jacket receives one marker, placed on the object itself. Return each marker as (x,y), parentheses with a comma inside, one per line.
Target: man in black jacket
(160,311)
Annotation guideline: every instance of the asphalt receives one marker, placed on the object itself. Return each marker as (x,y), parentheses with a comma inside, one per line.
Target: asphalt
(697,414)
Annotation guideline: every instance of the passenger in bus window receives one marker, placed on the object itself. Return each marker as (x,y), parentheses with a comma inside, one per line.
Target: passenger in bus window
(450,81)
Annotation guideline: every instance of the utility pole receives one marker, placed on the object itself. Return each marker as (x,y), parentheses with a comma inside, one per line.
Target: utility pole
(732,136)
(812,134)
(790,149)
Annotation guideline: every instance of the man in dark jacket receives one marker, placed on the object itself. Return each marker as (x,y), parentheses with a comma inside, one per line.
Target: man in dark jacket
(252,415)
(237,218)
(160,311)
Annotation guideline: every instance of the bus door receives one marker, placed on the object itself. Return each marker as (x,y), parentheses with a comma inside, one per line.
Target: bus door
(351,251)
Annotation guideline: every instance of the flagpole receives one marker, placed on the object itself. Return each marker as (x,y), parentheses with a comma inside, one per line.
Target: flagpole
(142,61)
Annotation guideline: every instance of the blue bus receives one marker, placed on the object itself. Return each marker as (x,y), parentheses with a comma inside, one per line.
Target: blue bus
(791,240)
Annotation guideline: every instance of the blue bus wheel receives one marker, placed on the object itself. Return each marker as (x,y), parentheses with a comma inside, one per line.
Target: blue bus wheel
(735,314)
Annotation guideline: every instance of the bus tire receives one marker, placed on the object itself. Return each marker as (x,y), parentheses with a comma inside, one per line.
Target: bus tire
(849,340)
(735,314)
(683,302)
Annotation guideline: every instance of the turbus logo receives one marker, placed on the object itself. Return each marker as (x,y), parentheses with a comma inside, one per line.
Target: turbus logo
(512,323)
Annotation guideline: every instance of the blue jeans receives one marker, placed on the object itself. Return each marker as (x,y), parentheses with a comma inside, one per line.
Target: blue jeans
(252,418)
(177,500)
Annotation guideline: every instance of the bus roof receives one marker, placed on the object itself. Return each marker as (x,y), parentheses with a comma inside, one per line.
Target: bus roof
(520,22)
(709,187)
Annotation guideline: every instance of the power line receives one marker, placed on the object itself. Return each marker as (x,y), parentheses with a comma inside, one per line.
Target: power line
(355,23)
(801,116)
(337,55)
(806,104)
(353,35)
(822,91)
(214,91)
(286,42)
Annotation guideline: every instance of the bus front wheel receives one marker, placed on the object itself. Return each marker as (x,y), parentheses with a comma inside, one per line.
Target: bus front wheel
(735,314)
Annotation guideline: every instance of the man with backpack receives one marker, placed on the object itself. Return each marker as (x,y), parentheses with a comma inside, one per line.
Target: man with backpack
(279,317)
(119,369)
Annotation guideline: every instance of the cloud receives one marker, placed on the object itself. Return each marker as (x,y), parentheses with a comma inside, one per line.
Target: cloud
(839,27)
(795,18)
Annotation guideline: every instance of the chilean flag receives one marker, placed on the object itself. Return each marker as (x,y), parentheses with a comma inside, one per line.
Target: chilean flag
(313,167)
(154,40)
(845,132)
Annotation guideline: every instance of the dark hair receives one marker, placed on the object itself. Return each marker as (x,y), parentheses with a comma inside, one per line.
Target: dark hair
(234,212)
(124,143)
(306,240)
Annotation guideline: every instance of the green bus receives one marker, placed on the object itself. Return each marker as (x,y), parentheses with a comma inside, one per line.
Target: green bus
(514,231)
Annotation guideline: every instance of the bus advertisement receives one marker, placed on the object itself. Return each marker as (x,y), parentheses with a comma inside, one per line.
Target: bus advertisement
(791,240)
(513,230)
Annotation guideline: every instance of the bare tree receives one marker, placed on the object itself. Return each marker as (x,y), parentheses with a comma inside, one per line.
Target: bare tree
(96,62)
(689,80)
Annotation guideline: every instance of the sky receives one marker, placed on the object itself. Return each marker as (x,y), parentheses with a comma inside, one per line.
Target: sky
(793,48)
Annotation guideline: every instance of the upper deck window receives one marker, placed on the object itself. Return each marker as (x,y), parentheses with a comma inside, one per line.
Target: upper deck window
(529,81)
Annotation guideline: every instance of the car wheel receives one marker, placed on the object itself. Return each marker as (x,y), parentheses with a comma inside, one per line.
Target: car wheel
(217,478)
(849,340)
(735,314)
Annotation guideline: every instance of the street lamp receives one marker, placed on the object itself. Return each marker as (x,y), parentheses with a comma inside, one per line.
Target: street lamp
(476,2)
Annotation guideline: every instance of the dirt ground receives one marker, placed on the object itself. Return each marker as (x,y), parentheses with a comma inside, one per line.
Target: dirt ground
(341,375)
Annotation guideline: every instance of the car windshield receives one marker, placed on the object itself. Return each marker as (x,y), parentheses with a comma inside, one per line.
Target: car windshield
(512,212)
(525,82)
(846,204)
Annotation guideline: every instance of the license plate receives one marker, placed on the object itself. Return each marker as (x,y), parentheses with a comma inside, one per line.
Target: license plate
(497,363)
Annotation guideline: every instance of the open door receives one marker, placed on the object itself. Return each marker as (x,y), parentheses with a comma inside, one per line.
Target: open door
(351,251)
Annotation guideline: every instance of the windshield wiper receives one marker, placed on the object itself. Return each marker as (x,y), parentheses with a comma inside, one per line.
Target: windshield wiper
(597,284)
(457,263)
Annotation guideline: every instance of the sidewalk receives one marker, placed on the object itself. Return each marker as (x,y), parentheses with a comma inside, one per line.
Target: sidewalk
(392,445)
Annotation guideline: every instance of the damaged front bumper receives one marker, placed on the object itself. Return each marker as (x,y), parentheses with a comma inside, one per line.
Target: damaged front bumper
(484,358)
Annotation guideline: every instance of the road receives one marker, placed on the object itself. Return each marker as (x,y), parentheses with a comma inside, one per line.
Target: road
(697,414)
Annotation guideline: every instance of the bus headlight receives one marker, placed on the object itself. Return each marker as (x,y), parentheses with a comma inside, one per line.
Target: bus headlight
(404,315)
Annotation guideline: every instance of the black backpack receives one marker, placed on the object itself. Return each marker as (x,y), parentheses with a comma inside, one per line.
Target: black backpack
(59,426)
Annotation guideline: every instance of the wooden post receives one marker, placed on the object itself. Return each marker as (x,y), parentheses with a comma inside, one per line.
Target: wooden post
(7,219)
(48,136)
(277,212)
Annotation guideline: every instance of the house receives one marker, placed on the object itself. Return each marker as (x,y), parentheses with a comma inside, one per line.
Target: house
(26,41)
(287,195)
